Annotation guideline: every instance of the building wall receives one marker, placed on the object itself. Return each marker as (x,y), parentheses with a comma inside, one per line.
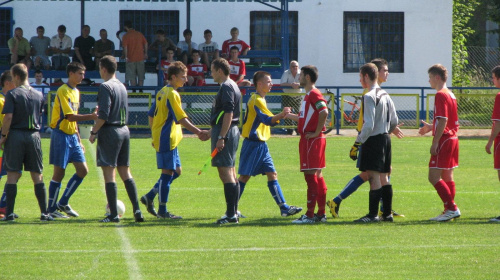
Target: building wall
(428,27)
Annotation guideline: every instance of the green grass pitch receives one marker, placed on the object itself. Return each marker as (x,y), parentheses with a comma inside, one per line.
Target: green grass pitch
(264,245)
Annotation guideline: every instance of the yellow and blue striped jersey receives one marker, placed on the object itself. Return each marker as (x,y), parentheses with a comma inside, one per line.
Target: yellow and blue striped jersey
(2,102)
(67,102)
(257,119)
(166,130)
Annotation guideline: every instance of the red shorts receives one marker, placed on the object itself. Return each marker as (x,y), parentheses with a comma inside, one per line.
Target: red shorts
(447,157)
(496,153)
(312,153)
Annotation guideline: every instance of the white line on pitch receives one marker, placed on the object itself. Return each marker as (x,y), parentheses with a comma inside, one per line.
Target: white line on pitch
(134,271)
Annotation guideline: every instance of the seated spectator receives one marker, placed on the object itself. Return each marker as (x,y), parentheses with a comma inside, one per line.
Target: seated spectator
(103,47)
(60,45)
(184,48)
(19,48)
(161,43)
(234,41)
(209,50)
(196,71)
(42,87)
(237,70)
(166,62)
(83,48)
(40,49)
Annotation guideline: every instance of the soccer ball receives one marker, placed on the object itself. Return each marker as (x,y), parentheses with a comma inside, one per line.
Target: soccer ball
(120,208)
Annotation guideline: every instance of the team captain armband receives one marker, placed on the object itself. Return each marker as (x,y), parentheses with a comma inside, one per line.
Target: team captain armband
(320,105)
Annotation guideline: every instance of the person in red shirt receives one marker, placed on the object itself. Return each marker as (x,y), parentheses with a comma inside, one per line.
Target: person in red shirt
(495,129)
(237,70)
(311,124)
(444,148)
(196,70)
(165,63)
(243,47)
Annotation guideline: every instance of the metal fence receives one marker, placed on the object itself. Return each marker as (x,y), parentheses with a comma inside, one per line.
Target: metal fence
(475,105)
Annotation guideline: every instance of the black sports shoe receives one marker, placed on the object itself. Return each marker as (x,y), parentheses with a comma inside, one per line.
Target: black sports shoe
(292,210)
(226,220)
(150,205)
(9,218)
(367,219)
(389,218)
(46,218)
(138,216)
(109,219)
(168,216)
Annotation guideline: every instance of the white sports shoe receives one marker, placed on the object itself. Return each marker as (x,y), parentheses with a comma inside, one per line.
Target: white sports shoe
(448,215)
(67,209)
(495,220)
(304,220)
(58,215)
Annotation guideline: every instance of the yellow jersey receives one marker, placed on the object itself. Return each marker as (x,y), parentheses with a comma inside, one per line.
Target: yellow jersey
(67,102)
(2,102)
(257,120)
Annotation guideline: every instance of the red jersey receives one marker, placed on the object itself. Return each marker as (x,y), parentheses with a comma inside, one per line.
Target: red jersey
(226,46)
(236,69)
(164,66)
(445,106)
(495,116)
(310,107)
(197,70)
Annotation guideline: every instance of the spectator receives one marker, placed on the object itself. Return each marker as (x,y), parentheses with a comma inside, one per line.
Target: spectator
(184,48)
(40,49)
(210,50)
(166,62)
(60,45)
(135,49)
(291,80)
(234,41)
(119,35)
(196,71)
(19,48)
(42,87)
(161,43)
(237,70)
(83,48)
(103,47)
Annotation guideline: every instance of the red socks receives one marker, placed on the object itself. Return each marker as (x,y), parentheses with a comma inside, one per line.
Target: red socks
(445,194)
(321,198)
(316,192)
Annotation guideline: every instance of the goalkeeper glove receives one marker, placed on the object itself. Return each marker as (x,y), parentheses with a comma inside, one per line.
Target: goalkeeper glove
(354,151)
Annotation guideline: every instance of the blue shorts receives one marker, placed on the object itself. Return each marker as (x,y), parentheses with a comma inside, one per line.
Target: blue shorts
(168,160)
(255,158)
(64,149)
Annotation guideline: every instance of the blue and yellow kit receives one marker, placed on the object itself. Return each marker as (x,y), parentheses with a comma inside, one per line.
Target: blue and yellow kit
(67,102)
(257,120)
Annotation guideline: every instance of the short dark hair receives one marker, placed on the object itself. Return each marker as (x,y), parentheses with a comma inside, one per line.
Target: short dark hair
(171,49)
(496,71)
(85,26)
(6,76)
(175,68)
(259,75)
(20,70)
(234,48)
(187,31)
(379,62)
(128,24)
(40,27)
(207,31)
(222,64)
(234,29)
(369,69)
(310,70)
(108,62)
(74,66)
(38,72)
(160,32)
(103,30)
(440,70)
(18,28)
(195,51)
(61,28)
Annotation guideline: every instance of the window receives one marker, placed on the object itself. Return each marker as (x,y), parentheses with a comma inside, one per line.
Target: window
(265,32)
(369,35)
(147,22)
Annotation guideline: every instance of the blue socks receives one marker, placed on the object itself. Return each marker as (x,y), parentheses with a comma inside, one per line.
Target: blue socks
(156,188)
(3,200)
(242,188)
(54,188)
(349,189)
(73,184)
(164,190)
(275,189)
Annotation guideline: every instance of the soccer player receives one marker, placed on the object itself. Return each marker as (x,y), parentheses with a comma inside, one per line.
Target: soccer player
(358,180)
(167,115)
(311,124)
(224,120)
(495,129)
(21,137)
(444,148)
(379,120)
(196,70)
(113,138)
(65,143)
(255,158)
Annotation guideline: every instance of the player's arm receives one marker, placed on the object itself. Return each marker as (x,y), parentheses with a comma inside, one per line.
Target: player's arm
(7,120)
(77,52)
(426,127)
(293,117)
(226,123)
(321,123)
(495,129)
(440,126)
(81,117)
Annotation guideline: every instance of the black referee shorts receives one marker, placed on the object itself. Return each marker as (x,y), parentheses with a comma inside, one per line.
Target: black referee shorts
(376,154)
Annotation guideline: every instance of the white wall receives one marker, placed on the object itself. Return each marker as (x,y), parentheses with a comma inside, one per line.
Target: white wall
(428,26)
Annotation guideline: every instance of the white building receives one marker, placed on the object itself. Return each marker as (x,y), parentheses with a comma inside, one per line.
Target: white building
(335,35)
